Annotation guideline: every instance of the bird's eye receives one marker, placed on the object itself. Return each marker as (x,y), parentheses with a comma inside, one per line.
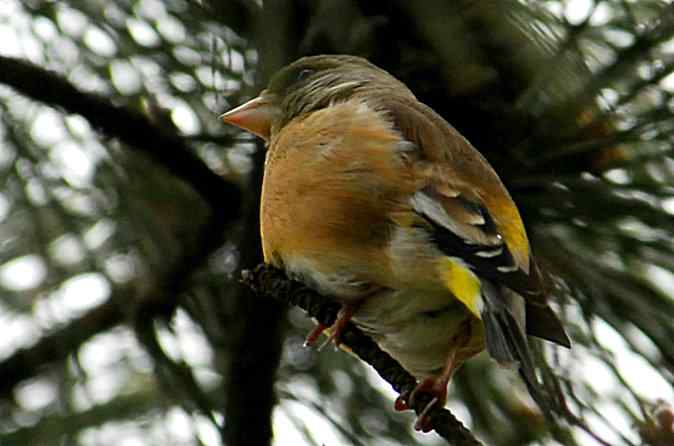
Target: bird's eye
(303,74)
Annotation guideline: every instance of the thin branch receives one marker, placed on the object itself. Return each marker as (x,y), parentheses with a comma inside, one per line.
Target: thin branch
(271,282)
(257,337)
(28,362)
(157,301)
(55,426)
(125,123)
(625,60)
(239,15)
(176,377)
(169,150)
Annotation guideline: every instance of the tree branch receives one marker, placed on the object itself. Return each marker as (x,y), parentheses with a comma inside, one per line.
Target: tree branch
(239,15)
(27,362)
(126,124)
(268,281)
(168,150)
(124,305)
(57,425)
(257,337)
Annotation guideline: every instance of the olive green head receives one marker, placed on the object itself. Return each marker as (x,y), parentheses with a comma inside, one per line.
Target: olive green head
(310,84)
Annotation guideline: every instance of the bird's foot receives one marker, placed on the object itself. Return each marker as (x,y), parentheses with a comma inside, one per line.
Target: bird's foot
(313,336)
(436,388)
(401,404)
(343,318)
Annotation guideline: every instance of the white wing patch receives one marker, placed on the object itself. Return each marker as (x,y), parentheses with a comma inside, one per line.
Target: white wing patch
(426,205)
(491,253)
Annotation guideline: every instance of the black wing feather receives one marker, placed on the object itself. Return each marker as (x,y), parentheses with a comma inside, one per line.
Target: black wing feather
(494,262)
(507,342)
(500,268)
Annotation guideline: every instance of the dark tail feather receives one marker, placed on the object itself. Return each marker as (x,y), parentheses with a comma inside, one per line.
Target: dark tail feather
(503,317)
(543,323)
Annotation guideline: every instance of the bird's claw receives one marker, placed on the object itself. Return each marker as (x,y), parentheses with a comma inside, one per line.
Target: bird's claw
(401,403)
(343,318)
(434,387)
(423,422)
(313,336)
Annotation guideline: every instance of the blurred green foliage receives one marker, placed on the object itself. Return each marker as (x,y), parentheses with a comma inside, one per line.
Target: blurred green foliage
(123,320)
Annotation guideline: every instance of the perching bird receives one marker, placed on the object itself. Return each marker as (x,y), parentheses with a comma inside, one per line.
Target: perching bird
(372,198)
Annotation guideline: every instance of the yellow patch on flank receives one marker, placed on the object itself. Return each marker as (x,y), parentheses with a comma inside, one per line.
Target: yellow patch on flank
(463,284)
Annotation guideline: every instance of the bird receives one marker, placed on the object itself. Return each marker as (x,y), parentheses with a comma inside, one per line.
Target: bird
(373,199)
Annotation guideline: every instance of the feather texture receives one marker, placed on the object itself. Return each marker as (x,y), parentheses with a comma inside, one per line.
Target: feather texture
(503,316)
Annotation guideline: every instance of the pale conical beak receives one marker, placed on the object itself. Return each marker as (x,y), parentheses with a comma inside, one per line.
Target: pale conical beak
(254,116)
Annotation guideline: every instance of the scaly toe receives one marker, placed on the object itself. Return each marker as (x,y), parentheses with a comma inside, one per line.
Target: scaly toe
(313,336)
(423,422)
(401,403)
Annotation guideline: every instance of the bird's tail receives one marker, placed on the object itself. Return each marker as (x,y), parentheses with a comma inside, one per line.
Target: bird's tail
(504,320)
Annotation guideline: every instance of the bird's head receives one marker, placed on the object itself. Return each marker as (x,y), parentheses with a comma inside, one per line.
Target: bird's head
(310,84)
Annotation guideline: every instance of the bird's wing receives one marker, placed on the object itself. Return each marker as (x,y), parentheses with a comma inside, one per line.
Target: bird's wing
(464,228)
(462,198)
(470,213)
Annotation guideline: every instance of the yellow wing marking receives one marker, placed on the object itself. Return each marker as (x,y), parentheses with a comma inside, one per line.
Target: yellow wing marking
(463,284)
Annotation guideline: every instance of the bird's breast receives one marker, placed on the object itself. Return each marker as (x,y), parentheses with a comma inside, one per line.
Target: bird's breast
(330,182)
(336,214)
